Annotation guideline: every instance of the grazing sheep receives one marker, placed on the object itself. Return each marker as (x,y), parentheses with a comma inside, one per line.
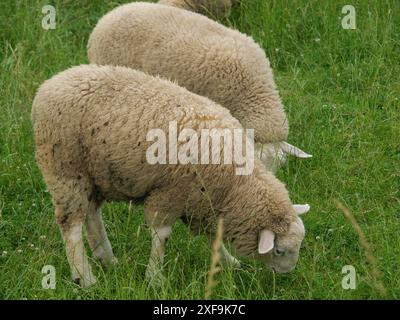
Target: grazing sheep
(203,56)
(92,126)
(214,8)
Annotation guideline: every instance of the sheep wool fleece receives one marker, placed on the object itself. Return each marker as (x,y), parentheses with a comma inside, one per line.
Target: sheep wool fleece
(90,124)
(198,53)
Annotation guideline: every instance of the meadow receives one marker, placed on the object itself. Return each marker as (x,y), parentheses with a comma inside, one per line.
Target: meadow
(341,90)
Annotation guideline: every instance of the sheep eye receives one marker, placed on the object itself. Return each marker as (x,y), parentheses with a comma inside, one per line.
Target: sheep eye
(279,252)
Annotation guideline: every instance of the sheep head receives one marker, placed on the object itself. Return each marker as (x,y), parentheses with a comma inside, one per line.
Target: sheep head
(281,252)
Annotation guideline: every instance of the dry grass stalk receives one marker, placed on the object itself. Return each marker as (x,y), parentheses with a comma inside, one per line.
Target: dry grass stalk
(215,260)
(367,248)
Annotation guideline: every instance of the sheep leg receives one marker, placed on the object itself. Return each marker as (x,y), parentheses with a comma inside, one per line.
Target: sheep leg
(70,198)
(98,239)
(154,269)
(71,230)
(70,189)
(160,214)
(227,259)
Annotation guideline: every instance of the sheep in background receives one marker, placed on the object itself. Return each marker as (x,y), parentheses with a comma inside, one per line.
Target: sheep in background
(91,125)
(214,8)
(203,56)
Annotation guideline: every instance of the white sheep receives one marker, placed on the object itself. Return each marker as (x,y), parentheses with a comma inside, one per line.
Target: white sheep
(205,57)
(91,127)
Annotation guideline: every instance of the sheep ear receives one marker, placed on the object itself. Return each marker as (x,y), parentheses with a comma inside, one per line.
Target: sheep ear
(294,151)
(301,208)
(266,242)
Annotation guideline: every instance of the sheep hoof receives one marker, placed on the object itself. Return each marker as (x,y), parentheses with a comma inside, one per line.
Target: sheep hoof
(109,262)
(236,265)
(114,261)
(85,282)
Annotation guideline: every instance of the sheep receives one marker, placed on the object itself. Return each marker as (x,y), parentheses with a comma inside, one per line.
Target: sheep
(214,8)
(92,128)
(206,58)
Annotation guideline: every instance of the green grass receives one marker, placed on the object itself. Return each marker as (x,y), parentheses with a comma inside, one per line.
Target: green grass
(341,90)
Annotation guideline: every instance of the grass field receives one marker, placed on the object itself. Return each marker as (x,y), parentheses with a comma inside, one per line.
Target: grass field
(341,90)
